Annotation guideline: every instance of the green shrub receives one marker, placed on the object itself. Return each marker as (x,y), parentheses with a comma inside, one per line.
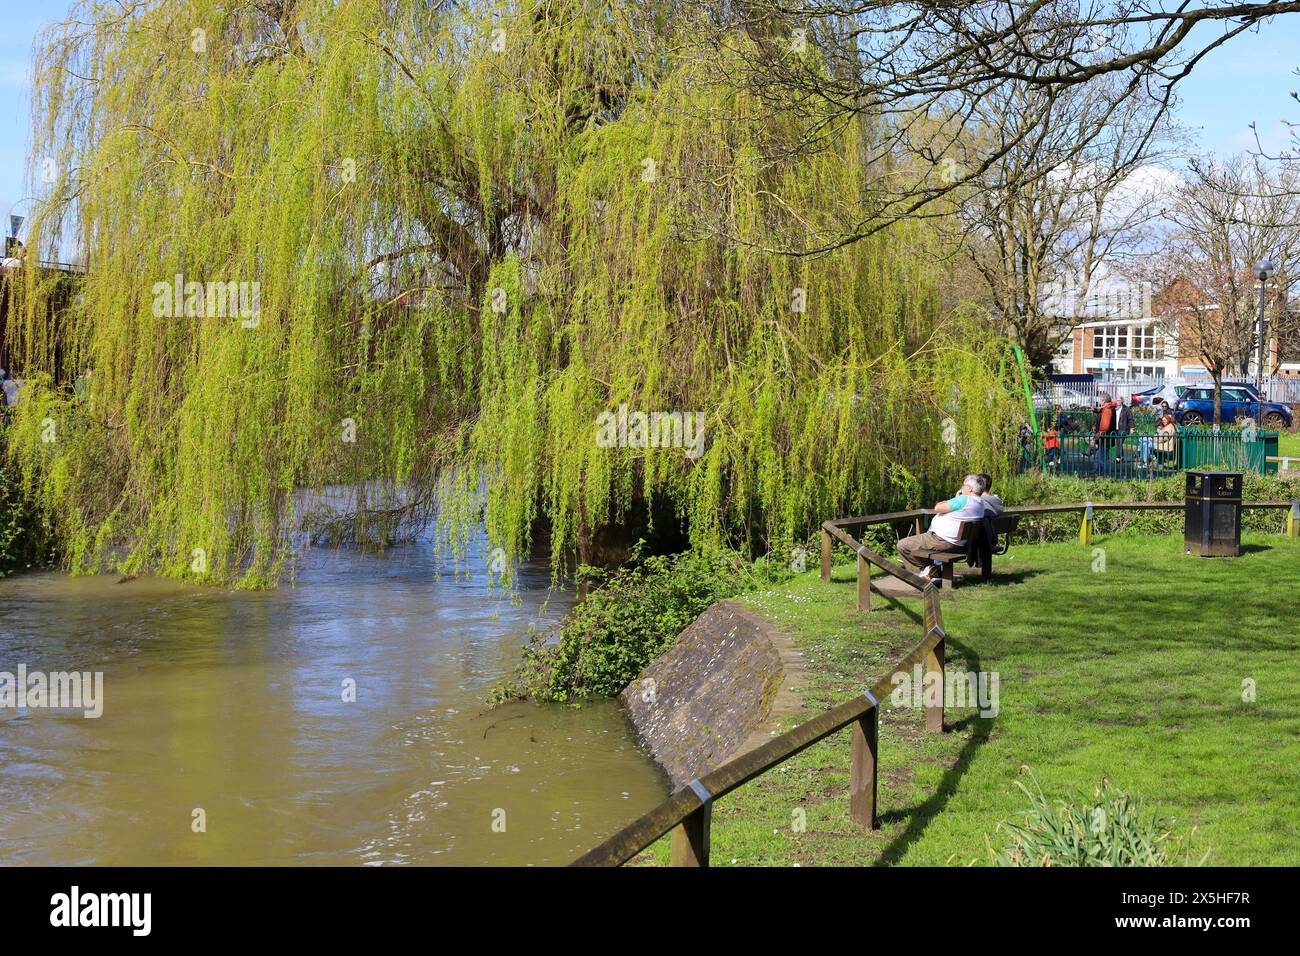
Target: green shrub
(1111,829)
(11,526)
(16,524)
(25,539)
(628,618)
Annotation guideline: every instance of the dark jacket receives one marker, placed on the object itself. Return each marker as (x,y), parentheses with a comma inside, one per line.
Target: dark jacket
(1123,419)
(980,547)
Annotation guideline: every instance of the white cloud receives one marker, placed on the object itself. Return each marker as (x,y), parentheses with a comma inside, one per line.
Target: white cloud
(1146,187)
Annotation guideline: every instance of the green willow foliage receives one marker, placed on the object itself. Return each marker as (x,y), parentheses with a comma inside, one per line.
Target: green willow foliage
(474,228)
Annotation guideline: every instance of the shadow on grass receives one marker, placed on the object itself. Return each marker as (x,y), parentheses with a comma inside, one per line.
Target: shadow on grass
(918,817)
(911,611)
(1019,576)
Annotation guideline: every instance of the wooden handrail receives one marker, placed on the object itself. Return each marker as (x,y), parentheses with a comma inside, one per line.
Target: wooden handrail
(738,771)
(897,516)
(862,551)
(687,813)
(1126,506)
(879,519)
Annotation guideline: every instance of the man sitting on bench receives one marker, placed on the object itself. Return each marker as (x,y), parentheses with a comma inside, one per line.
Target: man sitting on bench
(924,552)
(993,505)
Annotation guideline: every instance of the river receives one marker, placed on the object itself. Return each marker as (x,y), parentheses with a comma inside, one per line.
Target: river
(225,737)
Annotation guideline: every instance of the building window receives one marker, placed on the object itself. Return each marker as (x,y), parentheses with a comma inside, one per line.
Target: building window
(1110,343)
(1288,350)
(1128,342)
(1145,343)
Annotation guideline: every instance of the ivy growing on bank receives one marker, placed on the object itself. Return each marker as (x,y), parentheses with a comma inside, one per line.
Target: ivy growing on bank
(24,542)
(630,617)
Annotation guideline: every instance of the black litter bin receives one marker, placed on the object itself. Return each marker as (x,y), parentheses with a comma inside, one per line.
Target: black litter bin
(1212,526)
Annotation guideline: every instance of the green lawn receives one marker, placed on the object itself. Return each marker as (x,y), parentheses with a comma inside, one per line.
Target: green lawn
(1134,673)
(1288,444)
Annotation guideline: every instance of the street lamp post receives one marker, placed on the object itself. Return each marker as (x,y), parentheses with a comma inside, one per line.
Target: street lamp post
(1263,269)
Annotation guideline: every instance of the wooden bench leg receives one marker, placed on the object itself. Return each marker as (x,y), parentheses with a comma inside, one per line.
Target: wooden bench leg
(826,555)
(949,579)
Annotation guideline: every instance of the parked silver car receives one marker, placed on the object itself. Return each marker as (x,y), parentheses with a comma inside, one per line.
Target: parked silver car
(1170,393)
(1064,396)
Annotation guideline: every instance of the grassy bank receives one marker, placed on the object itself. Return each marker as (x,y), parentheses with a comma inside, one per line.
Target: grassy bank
(1134,673)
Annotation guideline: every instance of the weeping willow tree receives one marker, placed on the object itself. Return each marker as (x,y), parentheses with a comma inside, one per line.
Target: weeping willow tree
(418,249)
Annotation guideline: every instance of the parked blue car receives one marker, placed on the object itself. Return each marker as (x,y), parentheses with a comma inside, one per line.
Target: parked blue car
(1196,407)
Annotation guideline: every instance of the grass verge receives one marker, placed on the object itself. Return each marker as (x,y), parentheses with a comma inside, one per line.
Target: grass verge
(1127,662)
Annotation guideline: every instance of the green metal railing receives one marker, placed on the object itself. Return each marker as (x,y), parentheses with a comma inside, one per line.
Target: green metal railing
(1229,450)
(1145,454)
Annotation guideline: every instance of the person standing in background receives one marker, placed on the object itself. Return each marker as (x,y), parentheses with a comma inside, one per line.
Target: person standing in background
(1103,437)
(1123,426)
(1052,445)
(10,389)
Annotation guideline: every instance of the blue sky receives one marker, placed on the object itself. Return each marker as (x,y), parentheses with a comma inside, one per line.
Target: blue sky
(1248,78)
(21,22)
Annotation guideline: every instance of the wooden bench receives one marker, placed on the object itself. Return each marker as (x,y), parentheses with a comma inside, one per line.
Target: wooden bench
(1003,526)
(966,530)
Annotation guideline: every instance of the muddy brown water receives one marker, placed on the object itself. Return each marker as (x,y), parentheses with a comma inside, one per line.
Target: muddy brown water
(231,703)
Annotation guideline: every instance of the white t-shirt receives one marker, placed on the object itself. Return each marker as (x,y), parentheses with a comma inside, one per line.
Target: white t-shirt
(964,508)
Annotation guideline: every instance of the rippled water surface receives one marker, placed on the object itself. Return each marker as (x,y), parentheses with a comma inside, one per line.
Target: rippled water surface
(231,702)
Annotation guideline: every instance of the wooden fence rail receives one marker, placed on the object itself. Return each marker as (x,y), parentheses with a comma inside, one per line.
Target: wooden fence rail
(687,813)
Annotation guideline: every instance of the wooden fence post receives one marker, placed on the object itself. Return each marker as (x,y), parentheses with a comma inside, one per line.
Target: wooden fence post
(934,710)
(862,776)
(1085,529)
(691,838)
(1293,520)
(864,584)
(826,555)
